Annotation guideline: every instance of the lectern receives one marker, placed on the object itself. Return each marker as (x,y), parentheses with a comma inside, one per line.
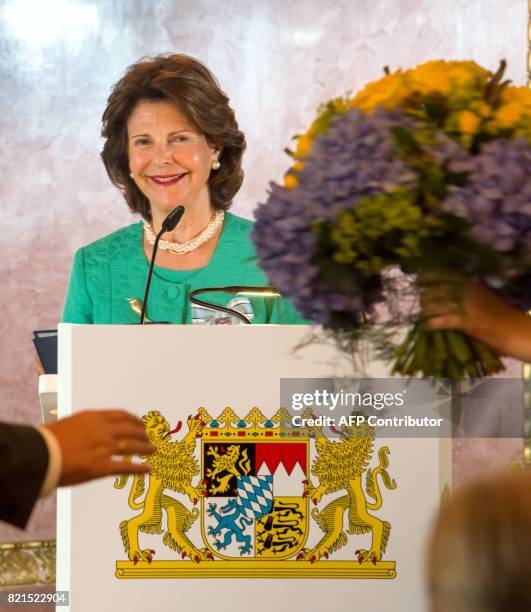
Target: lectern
(243,509)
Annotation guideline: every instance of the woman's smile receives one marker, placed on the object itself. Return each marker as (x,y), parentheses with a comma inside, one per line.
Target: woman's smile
(166,180)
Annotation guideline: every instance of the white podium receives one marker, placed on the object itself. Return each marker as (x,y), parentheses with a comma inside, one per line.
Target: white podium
(225,524)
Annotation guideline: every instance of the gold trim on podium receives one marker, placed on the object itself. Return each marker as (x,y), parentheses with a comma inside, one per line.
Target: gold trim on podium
(258,569)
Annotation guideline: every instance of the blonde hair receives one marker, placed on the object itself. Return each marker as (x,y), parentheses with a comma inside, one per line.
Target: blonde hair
(479,554)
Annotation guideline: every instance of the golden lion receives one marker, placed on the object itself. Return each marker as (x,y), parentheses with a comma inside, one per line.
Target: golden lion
(173,467)
(338,466)
(229,463)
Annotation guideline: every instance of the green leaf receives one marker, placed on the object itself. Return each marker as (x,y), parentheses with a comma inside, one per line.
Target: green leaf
(436,109)
(433,180)
(405,140)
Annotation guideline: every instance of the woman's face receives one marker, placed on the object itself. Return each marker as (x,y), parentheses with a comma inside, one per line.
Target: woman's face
(169,160)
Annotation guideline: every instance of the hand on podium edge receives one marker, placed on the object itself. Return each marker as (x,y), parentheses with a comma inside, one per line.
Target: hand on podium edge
(92,442)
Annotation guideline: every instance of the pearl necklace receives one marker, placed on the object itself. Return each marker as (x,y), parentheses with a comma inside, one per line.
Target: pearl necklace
(180,248)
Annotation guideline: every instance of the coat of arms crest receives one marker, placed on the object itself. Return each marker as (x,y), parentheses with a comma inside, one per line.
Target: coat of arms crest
(233,498)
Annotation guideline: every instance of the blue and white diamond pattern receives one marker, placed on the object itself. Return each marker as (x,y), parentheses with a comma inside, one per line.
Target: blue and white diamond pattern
(256,495)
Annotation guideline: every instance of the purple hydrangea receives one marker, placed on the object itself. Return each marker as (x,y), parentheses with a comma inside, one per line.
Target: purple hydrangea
(356,157)
(448,152)
(496,202)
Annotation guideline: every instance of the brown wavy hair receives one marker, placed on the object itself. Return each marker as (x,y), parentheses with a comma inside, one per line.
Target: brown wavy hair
(185,82)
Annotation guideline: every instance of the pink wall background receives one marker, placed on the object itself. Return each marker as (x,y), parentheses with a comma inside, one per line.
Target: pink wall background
(277,60)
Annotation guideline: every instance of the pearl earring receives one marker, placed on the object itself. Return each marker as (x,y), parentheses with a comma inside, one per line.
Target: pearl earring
(215,165)
(131,175)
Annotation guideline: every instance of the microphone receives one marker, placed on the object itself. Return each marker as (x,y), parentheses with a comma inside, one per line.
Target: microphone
(169,223)
(172,220)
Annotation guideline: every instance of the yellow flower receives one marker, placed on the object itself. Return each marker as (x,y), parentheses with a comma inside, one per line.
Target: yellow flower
(304,144)
(462,73)
(431,77)
(290,181)
(522,95)
(439,76)
(340,105)
(515,105)
(508,115)
(468,122)
(482,109)
(389,92)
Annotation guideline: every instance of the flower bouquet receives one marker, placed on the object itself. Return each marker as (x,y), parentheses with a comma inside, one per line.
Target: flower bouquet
(425,173)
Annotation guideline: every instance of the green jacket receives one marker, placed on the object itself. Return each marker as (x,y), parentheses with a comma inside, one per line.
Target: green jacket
(109,272)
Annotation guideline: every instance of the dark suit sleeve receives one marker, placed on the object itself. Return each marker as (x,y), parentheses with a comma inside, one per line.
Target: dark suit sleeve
(23,465)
